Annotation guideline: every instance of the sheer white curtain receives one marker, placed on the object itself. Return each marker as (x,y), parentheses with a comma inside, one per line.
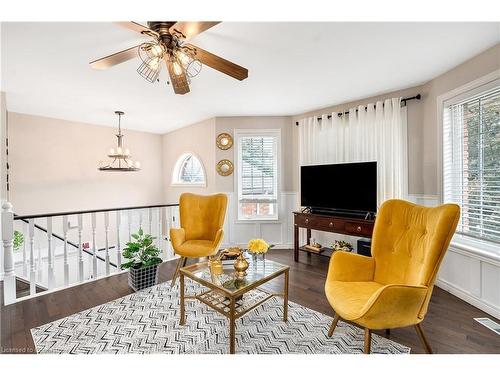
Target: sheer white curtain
(377,133)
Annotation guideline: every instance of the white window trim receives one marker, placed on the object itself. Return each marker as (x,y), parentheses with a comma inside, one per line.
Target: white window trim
(465,243)
(252,132)
(175,172)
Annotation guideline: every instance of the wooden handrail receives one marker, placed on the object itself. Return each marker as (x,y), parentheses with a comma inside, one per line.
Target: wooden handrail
(37,216)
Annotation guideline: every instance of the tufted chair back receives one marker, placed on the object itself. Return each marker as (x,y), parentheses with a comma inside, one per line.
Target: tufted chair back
(409,241)
(202,215)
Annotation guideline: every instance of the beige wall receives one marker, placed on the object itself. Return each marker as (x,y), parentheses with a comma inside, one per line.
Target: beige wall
(3,165)
(479,66)
(422,119)
(53,166)
(198,138)
(229,124)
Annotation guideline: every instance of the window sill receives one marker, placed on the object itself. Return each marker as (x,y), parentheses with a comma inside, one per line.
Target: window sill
(262,221)
(476,248)
(176,184)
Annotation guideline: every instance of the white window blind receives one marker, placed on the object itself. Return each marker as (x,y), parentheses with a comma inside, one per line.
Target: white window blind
(188,171)
(257,176)
(471,162)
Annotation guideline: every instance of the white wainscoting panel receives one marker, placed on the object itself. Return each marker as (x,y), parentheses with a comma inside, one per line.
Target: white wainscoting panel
(473,276)
(278,232)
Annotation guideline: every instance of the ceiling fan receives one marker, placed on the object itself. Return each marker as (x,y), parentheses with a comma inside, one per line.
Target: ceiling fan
(168,45)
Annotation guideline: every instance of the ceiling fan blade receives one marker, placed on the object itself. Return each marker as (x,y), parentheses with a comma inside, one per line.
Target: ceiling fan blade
(179,82)
(115,58)
(218,63)
(134,26)
(190,29)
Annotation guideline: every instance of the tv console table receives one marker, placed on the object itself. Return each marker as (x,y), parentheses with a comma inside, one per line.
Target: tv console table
(326,223)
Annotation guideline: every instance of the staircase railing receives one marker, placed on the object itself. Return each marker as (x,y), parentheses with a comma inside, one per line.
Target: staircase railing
(72,244)
(82,234)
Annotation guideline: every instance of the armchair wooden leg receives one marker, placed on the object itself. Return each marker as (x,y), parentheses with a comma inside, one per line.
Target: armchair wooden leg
(334,325)
(180,263)
(420,333)
(368,341)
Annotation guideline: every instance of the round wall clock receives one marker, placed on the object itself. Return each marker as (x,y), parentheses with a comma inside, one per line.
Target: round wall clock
(224,167)
(224,141)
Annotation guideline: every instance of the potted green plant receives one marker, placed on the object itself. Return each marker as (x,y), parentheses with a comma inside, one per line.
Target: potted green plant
(18,240)
(143,261)
(339,245)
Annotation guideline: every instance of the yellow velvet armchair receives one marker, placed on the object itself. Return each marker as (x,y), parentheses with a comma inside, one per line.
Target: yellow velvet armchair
(392,288)
(201,233)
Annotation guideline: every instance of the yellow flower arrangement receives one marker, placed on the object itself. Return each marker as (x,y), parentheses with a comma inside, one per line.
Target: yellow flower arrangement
(258,246)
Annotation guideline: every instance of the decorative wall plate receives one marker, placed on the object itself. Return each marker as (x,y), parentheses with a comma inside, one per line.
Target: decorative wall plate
(224,141)
(225,167)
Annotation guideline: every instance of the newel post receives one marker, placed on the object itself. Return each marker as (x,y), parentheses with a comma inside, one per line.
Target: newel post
(9,281)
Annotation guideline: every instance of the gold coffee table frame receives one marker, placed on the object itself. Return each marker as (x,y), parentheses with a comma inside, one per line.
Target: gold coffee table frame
(228,302)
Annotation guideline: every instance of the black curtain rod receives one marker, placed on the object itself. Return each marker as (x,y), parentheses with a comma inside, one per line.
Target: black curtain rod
(416,97)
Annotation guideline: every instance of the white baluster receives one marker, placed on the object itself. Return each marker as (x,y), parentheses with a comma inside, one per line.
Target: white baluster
(129,222)
(150,221)
(50,255)
(80,248)
(118,245)
(9,275)
(39,269)
(31,236)
(94,246)
(25,255)
(168,225)
(65,249)
(140,219)
(106,236)
(160,236)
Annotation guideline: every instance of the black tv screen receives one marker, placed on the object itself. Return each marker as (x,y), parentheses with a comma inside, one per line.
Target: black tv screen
(350,187)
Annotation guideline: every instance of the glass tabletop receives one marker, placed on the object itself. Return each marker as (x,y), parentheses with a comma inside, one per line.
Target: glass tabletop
(225,278)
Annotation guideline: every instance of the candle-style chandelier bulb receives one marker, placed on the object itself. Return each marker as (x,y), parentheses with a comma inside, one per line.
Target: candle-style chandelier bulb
(120,160)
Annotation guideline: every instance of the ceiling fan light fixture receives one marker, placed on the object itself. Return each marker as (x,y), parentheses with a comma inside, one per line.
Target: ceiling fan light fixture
(150,70)
(178,71)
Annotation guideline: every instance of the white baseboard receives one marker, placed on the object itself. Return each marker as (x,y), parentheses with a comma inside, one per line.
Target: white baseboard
(469,298)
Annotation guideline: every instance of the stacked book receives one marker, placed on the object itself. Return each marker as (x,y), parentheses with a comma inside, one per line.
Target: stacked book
(314,248)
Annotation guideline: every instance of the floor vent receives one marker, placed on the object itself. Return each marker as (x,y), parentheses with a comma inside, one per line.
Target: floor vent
(488,323)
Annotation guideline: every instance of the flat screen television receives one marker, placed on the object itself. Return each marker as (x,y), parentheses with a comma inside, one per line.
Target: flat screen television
(346,187)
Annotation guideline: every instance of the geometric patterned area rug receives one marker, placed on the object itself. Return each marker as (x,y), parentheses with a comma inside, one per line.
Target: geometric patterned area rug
(148,322)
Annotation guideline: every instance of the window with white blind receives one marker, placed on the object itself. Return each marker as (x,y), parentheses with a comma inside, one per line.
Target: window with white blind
(188,170)
(257,174)
(471,160)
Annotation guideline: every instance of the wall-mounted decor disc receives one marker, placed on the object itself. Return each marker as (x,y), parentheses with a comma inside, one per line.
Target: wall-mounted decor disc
(224,141)
(225,167)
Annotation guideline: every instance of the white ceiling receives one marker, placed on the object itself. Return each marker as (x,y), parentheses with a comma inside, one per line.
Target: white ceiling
(293,68)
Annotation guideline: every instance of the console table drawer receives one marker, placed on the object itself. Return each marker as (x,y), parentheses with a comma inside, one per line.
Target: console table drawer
(307,221)
(358,229)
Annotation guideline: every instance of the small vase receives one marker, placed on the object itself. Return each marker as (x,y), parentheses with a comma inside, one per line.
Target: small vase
(258,257)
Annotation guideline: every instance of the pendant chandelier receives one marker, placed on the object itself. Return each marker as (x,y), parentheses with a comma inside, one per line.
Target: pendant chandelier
(120,158)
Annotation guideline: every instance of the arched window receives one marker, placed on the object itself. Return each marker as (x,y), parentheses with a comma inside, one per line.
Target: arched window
(189,170)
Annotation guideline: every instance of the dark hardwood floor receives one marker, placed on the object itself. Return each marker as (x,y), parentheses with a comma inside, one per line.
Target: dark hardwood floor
(449,324)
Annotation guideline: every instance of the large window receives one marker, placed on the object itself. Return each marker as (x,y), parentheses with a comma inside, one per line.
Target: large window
(257,174)
(471,160)
(188,170)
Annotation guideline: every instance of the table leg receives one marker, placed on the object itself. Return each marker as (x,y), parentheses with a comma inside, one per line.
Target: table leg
(183,314)
(232,326)
(285,297)
(296,242)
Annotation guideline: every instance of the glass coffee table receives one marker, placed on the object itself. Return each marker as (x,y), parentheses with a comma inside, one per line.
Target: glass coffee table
(231,296)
